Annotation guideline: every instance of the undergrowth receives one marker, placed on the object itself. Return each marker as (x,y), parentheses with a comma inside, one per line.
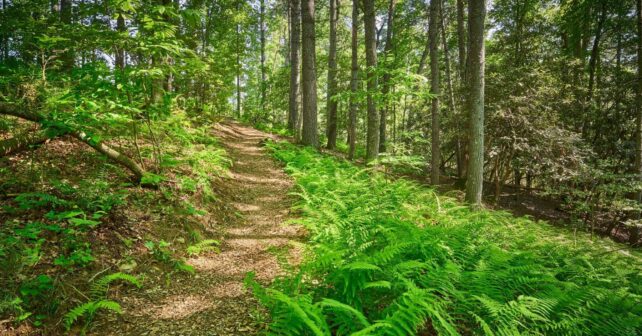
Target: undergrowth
(389,257)
(66,215)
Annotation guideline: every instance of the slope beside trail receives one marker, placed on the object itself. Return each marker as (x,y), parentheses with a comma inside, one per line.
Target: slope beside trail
(214,301)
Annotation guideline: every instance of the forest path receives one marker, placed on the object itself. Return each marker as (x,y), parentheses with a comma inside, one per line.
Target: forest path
(214,301)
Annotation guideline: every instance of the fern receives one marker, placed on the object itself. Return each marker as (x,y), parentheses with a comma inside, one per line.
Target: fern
(204,246)
(393,258)
(88,310)
(100,287)
(98,295)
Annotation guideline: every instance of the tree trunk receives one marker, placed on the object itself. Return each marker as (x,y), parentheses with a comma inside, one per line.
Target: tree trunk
(461,40)
(120,52)
(386,76)
(5,34)
(354,81)
(331,127)
(309,135)
(595,54)
(295,40)
(449,83)
(462,159)
(638,121)
(433,36)
(372,145)
(65,18)
(262,37)
(98,145)
(22,142)
(476,59)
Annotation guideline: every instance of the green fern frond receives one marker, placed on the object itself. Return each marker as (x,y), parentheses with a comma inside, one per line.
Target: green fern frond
(206,245)
(99,288)
(88,310)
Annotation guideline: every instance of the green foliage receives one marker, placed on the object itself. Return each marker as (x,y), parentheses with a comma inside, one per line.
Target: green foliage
(162,253)
(401,260)
(207,245)
(98,300)
(88,310)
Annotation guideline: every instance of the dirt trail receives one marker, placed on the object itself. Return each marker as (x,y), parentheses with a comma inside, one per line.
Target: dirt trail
(214,302)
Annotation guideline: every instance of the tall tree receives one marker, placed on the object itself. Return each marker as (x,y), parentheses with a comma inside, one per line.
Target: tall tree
(386,76)
(295,40)
(239,48)
(593,60)
(332,104)
(433,31)
(120,52)
(638,122)
(309,135)
(372,141)
(263,85)
(461,39)
(461,46)
(475,101)
(66,12)
(354,81)
(449,84)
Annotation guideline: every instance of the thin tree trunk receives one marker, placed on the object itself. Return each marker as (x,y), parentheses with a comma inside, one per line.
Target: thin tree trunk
(595,54)
(309,135)
(120,52)
(462,160)
(295,40)
(372,143)
(476,60)
(66,11)
(354,81)
(331,127)
(433,30)
(386,76)
(449,83)
(238,64)
(5,34)
(262,37)
(634,230)
(461,40)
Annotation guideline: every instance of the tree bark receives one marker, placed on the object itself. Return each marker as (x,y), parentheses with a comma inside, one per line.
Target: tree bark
(331,126)
(65,18)
(295,40)
(372,145)
(262,37)
(354,81)
(595,54)
(461,40)
(386,77)
(120,52)
(433,30)
(22,142)
(638,120)
(238,62)
(449,84)
(309,134)
(99,146)
(462,161)
(475,101)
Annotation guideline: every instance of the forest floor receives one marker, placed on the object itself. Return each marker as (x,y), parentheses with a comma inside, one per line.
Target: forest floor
(254,239)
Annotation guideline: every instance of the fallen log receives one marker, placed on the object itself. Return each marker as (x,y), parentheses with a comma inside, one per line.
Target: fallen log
(23,142)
